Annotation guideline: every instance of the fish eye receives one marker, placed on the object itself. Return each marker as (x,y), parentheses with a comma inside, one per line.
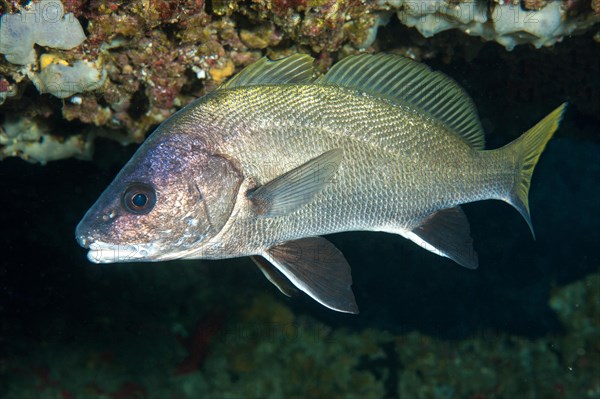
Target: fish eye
(139,198)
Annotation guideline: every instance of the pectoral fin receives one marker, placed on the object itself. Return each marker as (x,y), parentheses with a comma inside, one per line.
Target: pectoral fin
(317,267)
(447,233)
(296,188)
(275,276)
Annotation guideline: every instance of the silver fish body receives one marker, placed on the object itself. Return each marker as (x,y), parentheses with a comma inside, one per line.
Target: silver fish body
(378,186)
(265,165)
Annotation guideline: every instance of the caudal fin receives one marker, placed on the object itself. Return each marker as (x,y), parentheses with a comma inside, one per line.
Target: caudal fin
(528,149)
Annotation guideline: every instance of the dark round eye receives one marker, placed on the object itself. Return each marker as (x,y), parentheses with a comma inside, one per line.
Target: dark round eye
(139,198)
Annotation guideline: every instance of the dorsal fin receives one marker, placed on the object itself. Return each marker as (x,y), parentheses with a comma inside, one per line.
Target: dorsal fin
(413,84)
(296,68)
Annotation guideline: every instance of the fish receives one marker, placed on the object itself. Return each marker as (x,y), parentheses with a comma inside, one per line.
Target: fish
(277,157)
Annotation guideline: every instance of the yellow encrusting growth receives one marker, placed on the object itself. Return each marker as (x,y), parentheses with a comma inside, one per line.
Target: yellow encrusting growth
(528,148)
(47,59)
(220,73)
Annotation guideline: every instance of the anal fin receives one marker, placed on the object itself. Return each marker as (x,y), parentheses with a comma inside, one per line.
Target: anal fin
(317,267)
(447,233)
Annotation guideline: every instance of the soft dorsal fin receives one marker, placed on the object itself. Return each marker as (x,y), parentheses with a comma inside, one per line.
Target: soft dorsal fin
(296,68)
(410,83)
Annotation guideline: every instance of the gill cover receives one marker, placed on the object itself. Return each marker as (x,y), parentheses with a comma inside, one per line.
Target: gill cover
(218,183)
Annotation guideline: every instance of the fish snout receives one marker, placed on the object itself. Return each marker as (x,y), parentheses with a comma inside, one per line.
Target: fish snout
(82,235)
(82,241)
(91,227)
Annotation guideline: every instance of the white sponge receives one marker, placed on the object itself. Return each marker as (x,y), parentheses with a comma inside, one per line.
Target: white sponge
(64,81)
(43,24)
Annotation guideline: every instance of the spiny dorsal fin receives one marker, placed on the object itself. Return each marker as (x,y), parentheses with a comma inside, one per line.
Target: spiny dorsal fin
(296,68)
(413,84)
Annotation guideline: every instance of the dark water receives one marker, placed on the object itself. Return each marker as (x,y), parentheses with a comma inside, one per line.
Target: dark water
(72,329)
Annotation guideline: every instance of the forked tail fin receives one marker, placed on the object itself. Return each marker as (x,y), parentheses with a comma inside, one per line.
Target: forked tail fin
(528,149)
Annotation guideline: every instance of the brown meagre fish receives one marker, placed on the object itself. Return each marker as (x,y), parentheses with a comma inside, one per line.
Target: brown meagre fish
(274,159)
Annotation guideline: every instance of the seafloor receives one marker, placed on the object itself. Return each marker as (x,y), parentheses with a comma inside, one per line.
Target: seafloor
(526,324)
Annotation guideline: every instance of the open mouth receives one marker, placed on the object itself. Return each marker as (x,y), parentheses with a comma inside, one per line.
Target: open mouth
(101,252)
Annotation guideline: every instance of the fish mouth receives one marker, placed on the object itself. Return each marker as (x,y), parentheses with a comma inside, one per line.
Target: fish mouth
(103,252)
